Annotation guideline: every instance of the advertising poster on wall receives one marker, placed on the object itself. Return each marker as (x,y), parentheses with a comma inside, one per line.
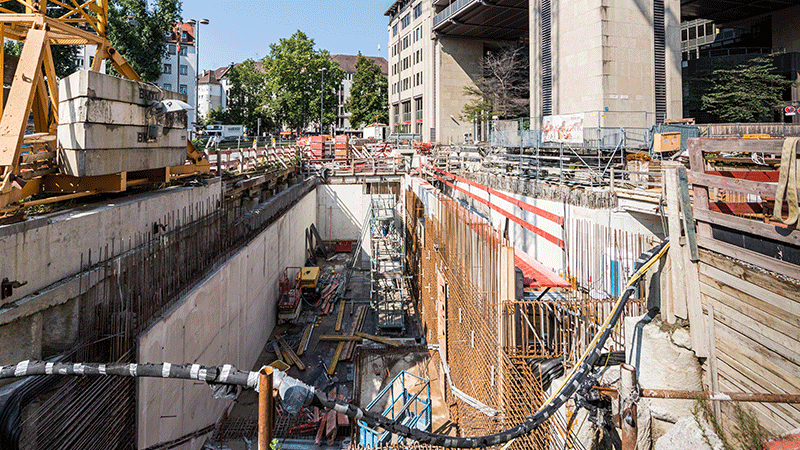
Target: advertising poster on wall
(567,128)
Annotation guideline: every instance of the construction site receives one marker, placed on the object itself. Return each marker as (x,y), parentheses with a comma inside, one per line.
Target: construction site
(622,293)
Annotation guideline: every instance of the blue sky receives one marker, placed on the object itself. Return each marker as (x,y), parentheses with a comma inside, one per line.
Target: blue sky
(242,29)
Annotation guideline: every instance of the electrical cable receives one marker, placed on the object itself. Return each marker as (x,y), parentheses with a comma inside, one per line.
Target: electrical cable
(226,380)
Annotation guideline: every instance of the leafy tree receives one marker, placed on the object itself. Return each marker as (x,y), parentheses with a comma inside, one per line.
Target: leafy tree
(293,82)
(246,97)
(746,92)
(368,94)
(64,56)
(503,90)
(138,32)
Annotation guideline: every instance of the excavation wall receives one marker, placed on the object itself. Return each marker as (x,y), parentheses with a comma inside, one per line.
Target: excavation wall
(226,319)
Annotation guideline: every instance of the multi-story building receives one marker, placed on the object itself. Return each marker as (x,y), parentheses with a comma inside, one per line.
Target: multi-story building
(212,91)
(620,64)
(178,72)
(411,71)
(348,64)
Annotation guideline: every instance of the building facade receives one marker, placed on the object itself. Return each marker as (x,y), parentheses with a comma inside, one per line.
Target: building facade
(410,69)
(348,64)
(621,66)
(178,68)
(211,93)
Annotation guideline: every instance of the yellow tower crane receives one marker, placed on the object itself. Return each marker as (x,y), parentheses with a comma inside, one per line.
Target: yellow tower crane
(34,91)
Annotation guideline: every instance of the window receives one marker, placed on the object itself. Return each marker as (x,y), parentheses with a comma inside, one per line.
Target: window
(418,107)
(394,30)
(405,21)
(710,29)
(184,50)
(396,114)
(701,31)
(183,89)
(684,34)
(167,69)
(406,42)
(184,69)
(171,49)
(693,33)
(185,36)
(407,111)
(418,10)
(167,86)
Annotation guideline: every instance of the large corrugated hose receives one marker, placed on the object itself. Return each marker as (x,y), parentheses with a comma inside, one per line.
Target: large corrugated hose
(228,376)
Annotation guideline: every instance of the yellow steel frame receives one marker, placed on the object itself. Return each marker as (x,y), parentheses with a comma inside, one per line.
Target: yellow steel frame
(34,88)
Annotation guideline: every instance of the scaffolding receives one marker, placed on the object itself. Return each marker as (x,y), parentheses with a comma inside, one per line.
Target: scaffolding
(388,267)
(408,401)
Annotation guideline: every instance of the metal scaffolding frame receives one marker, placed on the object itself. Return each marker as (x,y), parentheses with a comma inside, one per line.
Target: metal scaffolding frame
(387,266)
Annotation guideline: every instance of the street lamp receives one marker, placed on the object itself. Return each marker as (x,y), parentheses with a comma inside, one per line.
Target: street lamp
(321,97)
(193,22)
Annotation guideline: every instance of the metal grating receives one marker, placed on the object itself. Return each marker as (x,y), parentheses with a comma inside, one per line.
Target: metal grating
(547,61)
(660,64)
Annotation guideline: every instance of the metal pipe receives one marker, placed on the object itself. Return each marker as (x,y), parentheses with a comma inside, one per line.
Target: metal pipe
(720,396)
(627,398)
(265,408)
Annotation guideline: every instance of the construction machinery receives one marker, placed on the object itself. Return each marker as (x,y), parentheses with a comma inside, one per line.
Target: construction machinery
(31,163)
(289,294)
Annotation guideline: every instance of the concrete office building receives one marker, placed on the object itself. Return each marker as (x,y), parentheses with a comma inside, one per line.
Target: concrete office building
(615,61)
(411,69)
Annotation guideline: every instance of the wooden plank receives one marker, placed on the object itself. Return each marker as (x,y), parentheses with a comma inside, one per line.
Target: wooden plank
(102,183)
(304,340)
(293,356)
(735,368)
(676,298)
(766,415)
(30,158)
(379,339)
(781,414)
(779,300)
(686,207)
(287,358)
(340,317)
(335,359)
(712,358)
(765,312)
(694,305)
(15,119)
(765,336)
(339,337)
(737,208)
(700,192)
(752,175)
(735,145)
(765,363)
(743,254)
(766,190)
(775,232)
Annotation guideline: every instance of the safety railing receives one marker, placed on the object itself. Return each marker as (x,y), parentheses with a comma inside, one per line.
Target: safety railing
(378,165)
(735,207)
(407,399)
(450,10)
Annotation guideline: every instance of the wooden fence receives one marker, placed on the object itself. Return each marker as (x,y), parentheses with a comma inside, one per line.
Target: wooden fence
(744,319)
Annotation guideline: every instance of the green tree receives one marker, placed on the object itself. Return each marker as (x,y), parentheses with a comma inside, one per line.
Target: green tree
(139,32)
(369,94)
(246,97)
(293,84)
(746,92)
(64,56)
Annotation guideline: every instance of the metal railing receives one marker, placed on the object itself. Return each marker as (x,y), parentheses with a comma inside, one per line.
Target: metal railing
(450,10)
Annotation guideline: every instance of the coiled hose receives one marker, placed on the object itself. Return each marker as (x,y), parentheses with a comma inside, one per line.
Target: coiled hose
(227,376)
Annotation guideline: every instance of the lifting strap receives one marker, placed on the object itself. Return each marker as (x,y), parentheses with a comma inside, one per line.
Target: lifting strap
(787,182)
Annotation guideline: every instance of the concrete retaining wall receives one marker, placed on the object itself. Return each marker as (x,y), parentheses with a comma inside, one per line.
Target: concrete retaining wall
(40,319)
(225,320)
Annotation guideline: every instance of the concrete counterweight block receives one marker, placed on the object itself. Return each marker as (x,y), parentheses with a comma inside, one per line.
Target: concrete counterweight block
(108,125)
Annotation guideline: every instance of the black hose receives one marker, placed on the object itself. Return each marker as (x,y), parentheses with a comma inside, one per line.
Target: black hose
(229,376)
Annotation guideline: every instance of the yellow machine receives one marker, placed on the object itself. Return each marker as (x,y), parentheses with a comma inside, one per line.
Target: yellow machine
(309,277)
(29,161)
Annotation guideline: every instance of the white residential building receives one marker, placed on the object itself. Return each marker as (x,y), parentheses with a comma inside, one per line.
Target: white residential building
(348,64)
(178,71)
